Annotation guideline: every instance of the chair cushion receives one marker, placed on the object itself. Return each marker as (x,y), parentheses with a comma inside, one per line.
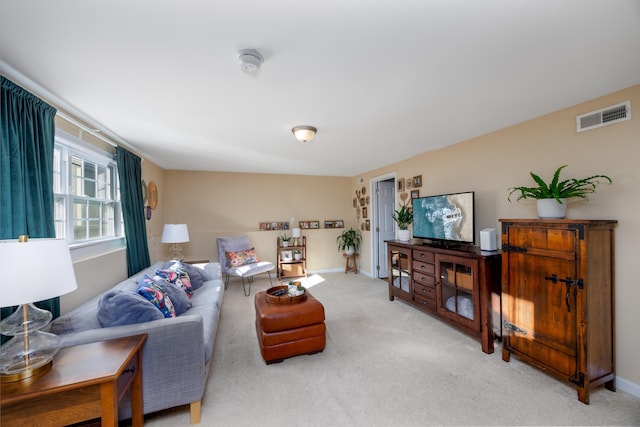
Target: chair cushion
(251,269)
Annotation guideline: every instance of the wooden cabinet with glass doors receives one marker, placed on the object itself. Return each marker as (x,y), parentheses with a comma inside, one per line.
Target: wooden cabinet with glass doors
(459,285)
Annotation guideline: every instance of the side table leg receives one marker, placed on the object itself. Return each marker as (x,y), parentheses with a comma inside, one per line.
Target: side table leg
(137,410)
(109,397)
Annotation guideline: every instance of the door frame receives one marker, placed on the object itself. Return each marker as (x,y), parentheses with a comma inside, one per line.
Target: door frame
(375,272)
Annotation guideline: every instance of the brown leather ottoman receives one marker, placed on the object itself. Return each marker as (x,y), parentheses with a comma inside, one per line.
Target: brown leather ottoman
(286,330)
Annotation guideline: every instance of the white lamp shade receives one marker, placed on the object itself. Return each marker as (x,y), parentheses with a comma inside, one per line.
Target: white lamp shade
(175,233)
(295,233)
(43,269)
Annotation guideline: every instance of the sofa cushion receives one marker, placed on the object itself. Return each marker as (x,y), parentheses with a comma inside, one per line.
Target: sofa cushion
(178,277)
(117,308)
(244,257)
(159,298)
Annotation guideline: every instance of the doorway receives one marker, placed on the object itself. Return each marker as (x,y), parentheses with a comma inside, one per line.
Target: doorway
(384,201)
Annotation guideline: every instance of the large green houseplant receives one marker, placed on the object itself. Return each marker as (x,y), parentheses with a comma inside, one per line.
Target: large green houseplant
(554,194)
(349,241)
(404,218)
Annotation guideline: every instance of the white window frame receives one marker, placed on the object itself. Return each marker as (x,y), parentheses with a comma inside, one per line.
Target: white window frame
(70,146)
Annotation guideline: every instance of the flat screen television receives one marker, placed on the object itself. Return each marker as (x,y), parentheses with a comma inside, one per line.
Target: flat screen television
(445,219)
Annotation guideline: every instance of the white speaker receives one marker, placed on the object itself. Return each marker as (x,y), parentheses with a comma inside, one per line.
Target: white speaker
(488,239)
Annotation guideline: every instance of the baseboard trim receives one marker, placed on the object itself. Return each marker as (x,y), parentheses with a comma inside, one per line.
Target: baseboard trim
(627,386)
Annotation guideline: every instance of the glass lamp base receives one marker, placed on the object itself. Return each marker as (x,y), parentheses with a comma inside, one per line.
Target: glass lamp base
(175,252)
(28,355)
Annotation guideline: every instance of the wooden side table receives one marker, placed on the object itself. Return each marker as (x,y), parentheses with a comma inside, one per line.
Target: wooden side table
(351,263)
(85,382)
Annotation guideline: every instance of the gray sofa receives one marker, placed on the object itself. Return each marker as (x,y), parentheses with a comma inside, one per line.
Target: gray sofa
(176,357)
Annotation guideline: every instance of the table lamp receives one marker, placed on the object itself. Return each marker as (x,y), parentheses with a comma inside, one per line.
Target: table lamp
(175,233)
(43,270)
(295,233)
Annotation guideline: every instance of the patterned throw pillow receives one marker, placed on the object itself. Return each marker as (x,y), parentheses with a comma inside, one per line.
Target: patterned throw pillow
(178,277)
(148,289)
(236,259)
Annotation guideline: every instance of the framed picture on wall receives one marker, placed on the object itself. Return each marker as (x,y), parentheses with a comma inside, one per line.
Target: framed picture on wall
(328,224)
(314,224)
(401,185)
(417,181)
(415,194)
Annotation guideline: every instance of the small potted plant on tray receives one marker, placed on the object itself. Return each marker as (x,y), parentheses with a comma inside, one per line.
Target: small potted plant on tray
(349,241)
(552,197)
(404,218)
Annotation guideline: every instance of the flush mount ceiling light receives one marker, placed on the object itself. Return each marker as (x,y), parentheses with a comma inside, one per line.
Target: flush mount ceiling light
(304,133)
(250,60)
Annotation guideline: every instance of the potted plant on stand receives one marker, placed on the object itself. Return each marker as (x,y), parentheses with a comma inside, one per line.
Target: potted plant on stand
(349,241)
(285,240)
(404,219)
(552,197)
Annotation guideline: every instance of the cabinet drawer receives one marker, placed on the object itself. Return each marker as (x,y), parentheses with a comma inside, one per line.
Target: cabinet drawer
(424,267)
(425,303)
(424,279)
(423,256)
(426,292)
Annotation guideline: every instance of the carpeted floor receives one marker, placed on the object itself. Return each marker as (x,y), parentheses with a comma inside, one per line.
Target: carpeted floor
(385,364)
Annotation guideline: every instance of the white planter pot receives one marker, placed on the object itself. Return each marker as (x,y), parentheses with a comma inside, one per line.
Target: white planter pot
(297,257)
(349,250)
(404,235)
(285,244)
(551,209)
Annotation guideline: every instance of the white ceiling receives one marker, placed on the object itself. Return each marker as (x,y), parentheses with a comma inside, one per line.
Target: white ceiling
(381,80)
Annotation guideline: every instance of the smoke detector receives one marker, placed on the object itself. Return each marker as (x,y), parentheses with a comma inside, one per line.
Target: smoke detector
(250,60)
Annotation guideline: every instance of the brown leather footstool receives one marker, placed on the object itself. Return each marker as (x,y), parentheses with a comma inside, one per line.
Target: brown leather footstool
(286,330)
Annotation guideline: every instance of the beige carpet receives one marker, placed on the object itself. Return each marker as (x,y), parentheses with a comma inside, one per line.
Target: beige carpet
(385,364)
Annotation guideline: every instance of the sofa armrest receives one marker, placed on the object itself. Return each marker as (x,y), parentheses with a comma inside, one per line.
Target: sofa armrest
(213,270)
(172,359)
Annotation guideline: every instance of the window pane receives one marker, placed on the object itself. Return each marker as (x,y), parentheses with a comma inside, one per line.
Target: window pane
(94,210)
(89,181)
(76,176)
(79,230)
(94,229)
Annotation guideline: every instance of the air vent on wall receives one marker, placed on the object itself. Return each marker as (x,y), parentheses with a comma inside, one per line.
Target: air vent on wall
(604,117)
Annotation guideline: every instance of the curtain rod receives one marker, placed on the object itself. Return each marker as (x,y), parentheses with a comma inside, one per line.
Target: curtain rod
(49,97)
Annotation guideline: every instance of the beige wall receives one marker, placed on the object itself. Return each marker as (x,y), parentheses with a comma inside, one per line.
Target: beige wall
(492,163)
(213,203)
(222,204)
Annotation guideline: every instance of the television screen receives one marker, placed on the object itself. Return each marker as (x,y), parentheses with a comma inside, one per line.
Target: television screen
(445,218)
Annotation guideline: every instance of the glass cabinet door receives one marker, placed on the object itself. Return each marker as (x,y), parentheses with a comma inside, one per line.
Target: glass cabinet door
(399,272)
(457,293)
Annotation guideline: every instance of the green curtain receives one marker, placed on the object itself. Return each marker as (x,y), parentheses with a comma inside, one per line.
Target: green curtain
(130,174)
(27,132)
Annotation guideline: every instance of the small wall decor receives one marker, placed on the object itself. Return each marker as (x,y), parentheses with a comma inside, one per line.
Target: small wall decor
(400,185)
(304,224)
(367,225)
(338,223)
(273,225)
(417,181)
(328,224)
(408,183)
(152,195)
(355,202)
(314,224)
(415,194)
(364,212)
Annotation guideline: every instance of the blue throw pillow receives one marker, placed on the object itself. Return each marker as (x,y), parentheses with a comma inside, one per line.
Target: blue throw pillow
(148,289)
(197,275)
(180,300)
(118,307)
